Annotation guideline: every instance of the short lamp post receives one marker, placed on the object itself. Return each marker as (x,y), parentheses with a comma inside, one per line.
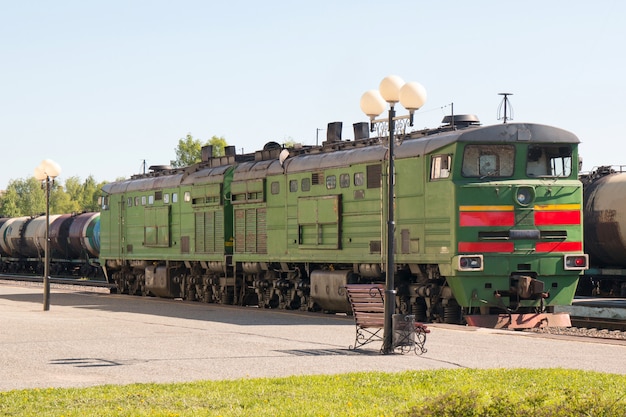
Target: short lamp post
(46,172)
(412,96)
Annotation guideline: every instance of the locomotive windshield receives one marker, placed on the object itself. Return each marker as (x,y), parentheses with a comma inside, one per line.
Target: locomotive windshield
(549,161)
(488,161)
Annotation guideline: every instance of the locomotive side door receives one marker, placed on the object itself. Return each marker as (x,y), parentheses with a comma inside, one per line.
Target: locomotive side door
(121,229)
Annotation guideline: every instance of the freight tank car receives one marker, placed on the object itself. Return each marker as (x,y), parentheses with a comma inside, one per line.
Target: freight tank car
(605,231)
(74,244)
(487,221)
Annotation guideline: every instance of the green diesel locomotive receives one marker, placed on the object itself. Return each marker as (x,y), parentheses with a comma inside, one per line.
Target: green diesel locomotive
(488,226)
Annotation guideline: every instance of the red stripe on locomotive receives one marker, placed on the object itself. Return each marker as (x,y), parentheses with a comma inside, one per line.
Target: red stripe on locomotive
(487,218)
(548,218)
(473,247)
(559,246)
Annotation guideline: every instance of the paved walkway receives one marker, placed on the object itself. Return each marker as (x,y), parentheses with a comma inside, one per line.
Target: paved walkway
(89,338)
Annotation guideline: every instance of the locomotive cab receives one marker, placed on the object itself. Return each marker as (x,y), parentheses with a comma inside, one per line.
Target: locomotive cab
(519,226)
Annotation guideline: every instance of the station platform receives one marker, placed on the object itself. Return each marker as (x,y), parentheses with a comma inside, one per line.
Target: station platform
(89,339)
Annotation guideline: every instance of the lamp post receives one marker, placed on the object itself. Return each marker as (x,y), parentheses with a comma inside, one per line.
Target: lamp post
(46,172)
(412,96)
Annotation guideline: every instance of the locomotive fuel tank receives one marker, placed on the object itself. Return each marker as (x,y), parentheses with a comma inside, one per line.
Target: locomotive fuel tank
(605,220)
(327,289)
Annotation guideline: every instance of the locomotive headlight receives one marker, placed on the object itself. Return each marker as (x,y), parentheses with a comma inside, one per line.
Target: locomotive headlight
(470,263)
(576,262)
(524,195)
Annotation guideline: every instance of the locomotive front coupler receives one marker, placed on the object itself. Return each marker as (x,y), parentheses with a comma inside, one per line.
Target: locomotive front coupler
(526,287)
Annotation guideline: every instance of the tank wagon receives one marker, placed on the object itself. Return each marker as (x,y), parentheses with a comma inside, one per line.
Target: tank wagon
(74,244)
(605,228)
(487,221)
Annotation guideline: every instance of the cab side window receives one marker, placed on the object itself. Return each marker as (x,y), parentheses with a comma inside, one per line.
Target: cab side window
(440,167)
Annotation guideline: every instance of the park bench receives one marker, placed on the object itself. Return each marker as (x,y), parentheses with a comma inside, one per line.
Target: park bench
(368,309)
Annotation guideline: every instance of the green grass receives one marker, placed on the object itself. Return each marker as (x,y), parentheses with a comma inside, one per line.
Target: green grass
(466,392)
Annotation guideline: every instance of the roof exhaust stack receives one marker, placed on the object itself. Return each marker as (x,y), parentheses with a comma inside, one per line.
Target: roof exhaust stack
(207,152)
(333,133)
(361,130)
(230,151)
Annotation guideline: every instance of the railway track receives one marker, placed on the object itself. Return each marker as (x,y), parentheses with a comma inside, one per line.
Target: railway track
(584,332)
(598,323)
(70,281)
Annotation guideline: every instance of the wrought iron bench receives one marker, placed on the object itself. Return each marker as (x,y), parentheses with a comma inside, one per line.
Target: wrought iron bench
(368,308)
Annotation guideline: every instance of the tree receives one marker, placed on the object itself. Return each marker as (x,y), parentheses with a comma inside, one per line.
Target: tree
(23,198)
(28,198)
(9,203)
(70,201)
(62,202)
(189,150)
(218,143)
(90,194)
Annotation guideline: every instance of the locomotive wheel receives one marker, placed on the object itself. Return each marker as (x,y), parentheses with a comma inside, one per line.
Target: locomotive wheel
(295,304)
(274,302)
(452,313)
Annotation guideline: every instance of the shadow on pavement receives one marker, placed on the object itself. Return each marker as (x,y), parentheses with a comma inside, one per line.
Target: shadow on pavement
(244,316)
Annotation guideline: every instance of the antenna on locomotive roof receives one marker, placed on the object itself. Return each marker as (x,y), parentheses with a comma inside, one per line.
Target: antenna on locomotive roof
(504,103)
(317,136)
(452,118)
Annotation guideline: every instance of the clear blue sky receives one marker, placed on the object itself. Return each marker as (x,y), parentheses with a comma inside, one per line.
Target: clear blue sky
(100,86)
